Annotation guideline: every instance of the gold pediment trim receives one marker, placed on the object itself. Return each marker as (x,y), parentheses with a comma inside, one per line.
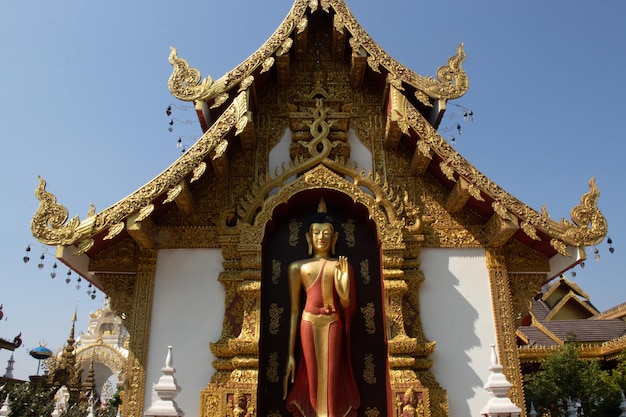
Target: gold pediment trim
(587,227)
(605,350)
(452,82)
(49,225)
(383,207)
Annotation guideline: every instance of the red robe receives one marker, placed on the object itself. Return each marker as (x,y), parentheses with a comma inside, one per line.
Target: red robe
(341,398)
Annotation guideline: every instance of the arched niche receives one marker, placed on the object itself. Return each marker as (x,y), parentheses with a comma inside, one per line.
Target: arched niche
(284,243)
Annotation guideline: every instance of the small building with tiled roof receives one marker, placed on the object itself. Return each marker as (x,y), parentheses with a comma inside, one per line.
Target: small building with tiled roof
(562,311)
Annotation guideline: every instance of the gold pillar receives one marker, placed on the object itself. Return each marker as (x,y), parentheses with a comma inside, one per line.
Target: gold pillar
(504,318)
(138,325)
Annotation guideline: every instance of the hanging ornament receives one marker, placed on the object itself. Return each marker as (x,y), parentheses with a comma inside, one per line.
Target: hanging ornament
(53,274)
(26,258)
(610,242)
(596,254)
(40,264)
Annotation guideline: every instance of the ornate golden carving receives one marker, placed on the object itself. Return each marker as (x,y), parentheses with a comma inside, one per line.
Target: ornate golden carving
(368,313)
(504,316)
(120,290)
(294,232)
(272,368)
(369,368)
(275,271)
(348,230)
(451,82)
(372,412)
(138,325)
(275,315)
(523,288)
(588,226)
(522,259)
(184,83)
(48,223)
(121,257)
(365,271)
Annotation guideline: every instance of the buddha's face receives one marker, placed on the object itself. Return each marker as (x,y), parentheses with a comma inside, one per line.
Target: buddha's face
(321,236)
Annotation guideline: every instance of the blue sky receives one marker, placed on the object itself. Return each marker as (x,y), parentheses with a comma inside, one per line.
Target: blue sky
(84,93)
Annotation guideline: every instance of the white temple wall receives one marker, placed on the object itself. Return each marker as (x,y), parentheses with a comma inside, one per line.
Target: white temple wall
(457,313)
(187,312)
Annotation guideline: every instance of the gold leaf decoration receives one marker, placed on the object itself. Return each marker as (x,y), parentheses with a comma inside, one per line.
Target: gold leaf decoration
(368,313)
(145,212)
(302,25)
(424,148)
(198,171)
(284,47)
(114,230)
(247,82)
(219,100)
(275,271)
(560,247)
(500,209)
(423,98)
(369,375)
(173,193)
(272,368)
(267,64)
(275,314)
(530,230)
(84,246)
(294,232)
(372,412)
(184,83)
(348,231)
(48,224)
(447,170)
(474,192)
(365,271)
(590,225)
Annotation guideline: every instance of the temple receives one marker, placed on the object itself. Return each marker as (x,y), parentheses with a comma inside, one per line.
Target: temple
(445,260)
(562,310)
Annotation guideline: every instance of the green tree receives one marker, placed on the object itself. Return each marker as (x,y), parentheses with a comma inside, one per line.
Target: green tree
(28,400)
(564,375)
(619,373)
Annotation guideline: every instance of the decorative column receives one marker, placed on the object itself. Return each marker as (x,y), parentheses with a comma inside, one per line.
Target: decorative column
(505,322)
(138,324)
(233,389)
(413,386)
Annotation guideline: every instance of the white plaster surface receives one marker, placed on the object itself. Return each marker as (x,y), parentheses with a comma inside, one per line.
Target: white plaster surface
(187,311)
(359,152)
(456,312)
